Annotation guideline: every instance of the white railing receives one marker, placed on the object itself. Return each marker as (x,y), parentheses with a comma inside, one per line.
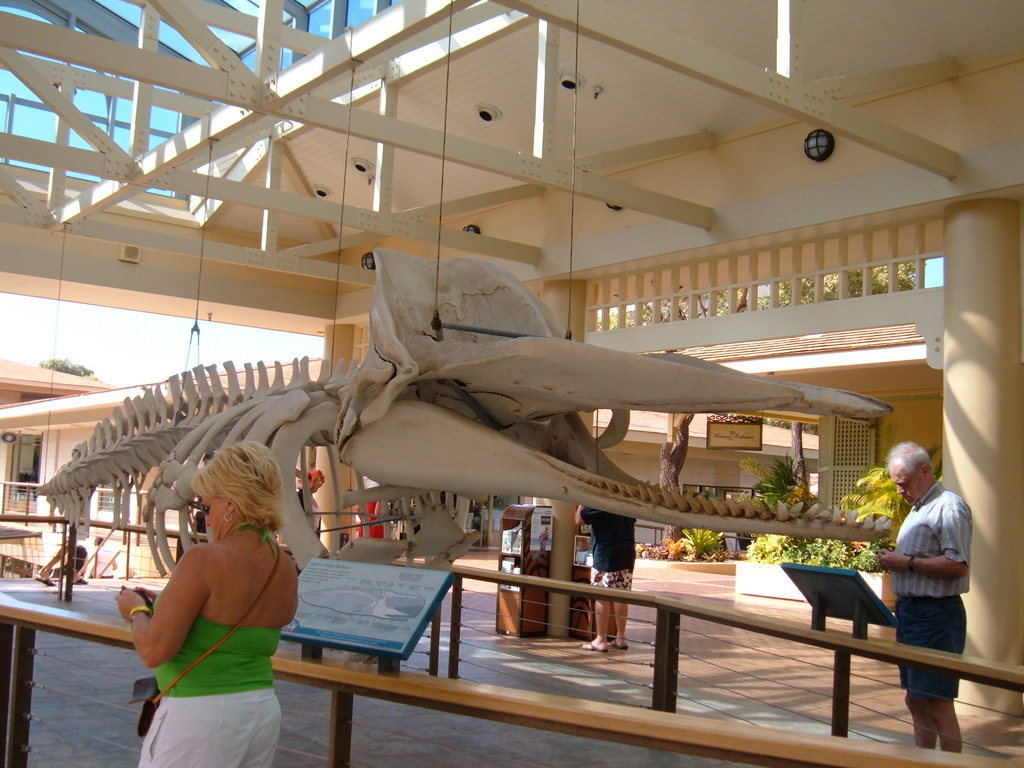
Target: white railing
(812,273)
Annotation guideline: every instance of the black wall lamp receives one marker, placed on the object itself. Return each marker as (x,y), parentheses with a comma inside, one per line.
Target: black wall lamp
(819,145)
(367,261)
(471,228)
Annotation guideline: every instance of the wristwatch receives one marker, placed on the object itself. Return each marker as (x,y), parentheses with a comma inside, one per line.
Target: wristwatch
(910,563)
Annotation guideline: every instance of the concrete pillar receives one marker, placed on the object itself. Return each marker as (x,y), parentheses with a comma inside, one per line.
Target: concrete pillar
(562,552)
(983,425)
(339,343)
(559,295)
(339,339)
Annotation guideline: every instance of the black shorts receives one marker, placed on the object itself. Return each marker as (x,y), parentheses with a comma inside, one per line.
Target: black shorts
(939,623)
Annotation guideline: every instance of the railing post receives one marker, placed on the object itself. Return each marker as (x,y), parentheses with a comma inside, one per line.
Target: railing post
(6,665)
(21,697)
(68,569)
(666,661)
(435,643)
(455,632)
(841,694)
(339,747)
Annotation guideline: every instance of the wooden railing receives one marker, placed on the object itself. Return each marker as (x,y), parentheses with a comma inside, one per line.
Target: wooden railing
(665,730)
(670,608)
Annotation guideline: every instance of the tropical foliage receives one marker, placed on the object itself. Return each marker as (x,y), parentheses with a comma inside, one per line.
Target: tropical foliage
(778,482)
(694,545)
(875,493)
(774,549)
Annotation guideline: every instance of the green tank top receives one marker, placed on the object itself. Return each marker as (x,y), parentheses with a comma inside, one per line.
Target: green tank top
(241,664)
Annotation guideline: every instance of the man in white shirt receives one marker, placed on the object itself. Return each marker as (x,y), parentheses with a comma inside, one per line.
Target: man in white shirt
(930,570)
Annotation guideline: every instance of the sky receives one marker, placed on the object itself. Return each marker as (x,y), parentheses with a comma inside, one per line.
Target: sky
(125,348)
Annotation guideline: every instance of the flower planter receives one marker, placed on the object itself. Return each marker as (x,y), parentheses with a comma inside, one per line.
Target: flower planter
(761,580)
(727,568)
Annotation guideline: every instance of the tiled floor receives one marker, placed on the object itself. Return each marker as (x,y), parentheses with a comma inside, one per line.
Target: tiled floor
(80,719)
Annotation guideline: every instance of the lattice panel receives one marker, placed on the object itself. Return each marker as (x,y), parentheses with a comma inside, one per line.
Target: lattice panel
(854,443)
(846,449)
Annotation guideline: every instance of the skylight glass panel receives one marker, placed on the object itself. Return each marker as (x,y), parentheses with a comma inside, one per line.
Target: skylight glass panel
(127,11)
(11,85)
(34,122)
(245,6)
(92,103)
(359,11)
(235,41)
(170,37)
(164,120)
(320,19)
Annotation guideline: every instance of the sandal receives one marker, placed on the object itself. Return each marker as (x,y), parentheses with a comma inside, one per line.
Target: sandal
(617,647)
(47,582)
(592,647)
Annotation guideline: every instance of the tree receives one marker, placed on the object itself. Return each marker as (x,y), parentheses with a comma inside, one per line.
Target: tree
(797,445)
(63,365)
(673,457)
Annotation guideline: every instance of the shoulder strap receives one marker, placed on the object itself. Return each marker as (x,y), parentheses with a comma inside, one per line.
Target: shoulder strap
(224,639)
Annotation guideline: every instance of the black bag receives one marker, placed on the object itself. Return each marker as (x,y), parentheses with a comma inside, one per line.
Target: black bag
(147,691)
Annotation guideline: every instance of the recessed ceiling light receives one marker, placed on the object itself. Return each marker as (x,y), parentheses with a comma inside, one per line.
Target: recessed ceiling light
(362,165)
(322,190)
(488,112)
(571,80)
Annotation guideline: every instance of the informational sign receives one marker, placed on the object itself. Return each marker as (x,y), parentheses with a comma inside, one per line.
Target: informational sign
(734,436)
(540,530)
(381,610)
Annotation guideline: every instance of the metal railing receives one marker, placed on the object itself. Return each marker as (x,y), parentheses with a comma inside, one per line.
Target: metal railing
(736,739)
(19,498)
(668,612)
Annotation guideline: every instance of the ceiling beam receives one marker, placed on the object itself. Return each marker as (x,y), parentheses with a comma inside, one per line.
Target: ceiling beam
(51,155)
(426,213)
(325,210)
(214,51)
(301,183)
(222,17)
(555,174)
(115,58)
(24,198)
(244,89)
(119,87)
(206,210)
(122,59)
(651,150)
(375,36)
(146,237)
(63,107)
(656,43)
(913,76)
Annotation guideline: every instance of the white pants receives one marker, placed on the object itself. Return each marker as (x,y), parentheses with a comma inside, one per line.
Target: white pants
(231,730)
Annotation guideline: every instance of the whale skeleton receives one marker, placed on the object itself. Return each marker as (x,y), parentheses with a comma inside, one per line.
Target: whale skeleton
(485,402)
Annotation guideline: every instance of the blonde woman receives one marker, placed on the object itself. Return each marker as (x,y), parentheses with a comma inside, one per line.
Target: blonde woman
(224,711)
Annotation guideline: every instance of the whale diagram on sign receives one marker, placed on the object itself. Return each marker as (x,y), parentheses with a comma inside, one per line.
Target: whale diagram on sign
(379,603)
